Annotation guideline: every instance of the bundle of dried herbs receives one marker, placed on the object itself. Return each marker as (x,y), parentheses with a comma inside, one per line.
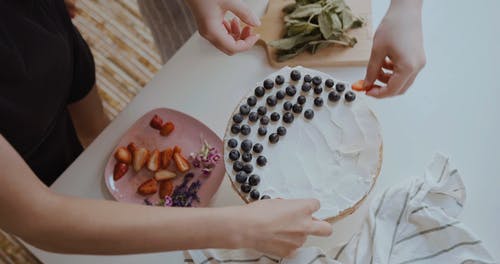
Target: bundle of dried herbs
(315,24)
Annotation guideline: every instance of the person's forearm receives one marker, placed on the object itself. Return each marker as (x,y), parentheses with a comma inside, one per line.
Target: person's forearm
(105,227)
(407,5)
(58,223)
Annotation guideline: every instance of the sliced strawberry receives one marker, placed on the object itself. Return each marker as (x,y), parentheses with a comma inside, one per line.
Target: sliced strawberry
(131,147)
(154,161)
(162,175)
(167,128)
(358,86)
(166,157)
(181,162)
(156,122)
(148,187)
(177,149)
(122,154)
(166,188)
(120,170)
(140,157)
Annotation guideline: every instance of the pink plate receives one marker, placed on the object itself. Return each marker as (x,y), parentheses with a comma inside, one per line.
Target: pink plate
(188,135)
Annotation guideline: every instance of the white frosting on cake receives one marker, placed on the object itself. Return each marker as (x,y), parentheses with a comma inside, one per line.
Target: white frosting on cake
(335,157)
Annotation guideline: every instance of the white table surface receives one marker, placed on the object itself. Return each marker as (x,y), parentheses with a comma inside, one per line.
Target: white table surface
(452,108)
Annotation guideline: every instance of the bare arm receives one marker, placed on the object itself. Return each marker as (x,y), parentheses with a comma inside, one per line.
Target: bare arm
(73,225)
(88,117)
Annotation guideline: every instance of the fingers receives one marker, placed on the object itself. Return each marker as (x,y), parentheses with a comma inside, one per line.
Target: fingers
(374,65)
(241,10)
(396,81)
(388,64)
(226,42)
(235,28)
(320,228)
(408,84)
(310,205)
(227,25)
(246,32)
(383,76)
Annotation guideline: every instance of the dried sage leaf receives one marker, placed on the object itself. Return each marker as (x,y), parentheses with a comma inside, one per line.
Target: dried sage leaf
(325,24)
(291,42)
(306,11)
(311,25)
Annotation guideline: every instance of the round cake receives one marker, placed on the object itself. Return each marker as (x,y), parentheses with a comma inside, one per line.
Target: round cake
(302,134)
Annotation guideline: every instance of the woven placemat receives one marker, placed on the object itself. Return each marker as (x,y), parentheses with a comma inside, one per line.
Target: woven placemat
(126,60)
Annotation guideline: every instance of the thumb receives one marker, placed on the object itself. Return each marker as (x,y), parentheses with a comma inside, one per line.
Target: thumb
(373,68)
(242,11)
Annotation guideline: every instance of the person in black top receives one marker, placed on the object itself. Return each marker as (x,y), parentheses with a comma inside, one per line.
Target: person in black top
(49,108)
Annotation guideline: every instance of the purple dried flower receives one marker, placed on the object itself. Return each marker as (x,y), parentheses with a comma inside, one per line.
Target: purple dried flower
(148,202)
(168,201)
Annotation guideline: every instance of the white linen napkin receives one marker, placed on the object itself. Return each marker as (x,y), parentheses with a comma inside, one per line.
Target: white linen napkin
(413,222)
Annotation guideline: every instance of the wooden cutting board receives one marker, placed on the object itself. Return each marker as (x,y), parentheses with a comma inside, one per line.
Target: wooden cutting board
(272,29)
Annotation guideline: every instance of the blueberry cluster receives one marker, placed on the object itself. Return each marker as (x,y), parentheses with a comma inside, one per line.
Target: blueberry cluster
(243,153)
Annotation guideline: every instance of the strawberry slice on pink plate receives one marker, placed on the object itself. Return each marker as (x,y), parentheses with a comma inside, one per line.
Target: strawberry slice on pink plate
(189,135)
